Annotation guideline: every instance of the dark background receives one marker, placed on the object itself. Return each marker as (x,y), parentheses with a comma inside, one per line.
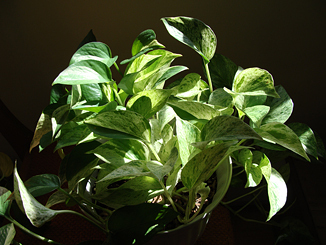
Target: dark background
(287,38)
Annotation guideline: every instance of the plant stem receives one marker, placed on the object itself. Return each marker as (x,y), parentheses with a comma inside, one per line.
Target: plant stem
(167,194)
(84,217)
(150,146)
(23,228)
(249,193)
(208,77)
(118,69)
(86,210)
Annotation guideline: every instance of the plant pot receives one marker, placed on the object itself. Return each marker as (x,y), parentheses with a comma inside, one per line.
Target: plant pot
(189,233)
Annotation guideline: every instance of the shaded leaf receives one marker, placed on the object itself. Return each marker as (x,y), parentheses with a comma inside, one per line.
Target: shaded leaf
(222,71)
(138,224)
(307,138)
(39,185)
(7,234)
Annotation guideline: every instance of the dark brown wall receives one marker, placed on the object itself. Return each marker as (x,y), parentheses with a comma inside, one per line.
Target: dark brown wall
(285,37)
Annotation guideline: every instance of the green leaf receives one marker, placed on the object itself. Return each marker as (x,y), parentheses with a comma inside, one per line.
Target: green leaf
(280,108)
(159,170)
(4,202)
(149,71)
(120,151)
(84,72)
(193,33)
(144,43)
(227,128)
(7,234)
(201,166)
(94,51)
(43,127)
(281,134)
(72,134)
(165,115)
(148,102)
(143,40)
(187,133)
(133,168)
(138,224)
(79,161)
(56,198)
(135,191)
(35,211)
(59,117)
(255,81)
(128,122)
(196,109)
(220,98)
(257,113)
(189,86)
(277,192)
(222,71)
(307,138)
(39,185)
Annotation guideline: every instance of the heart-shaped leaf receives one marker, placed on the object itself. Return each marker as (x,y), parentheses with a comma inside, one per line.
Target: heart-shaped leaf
(7,234)
(255,81)
(277,192)
(128,122)
(35,211)
(187,133)
(135,191)
(148,102)
(94,51)
(307,138)
(227,128)
(280,108)
(4,202)
(39,185)
(281,134)
(194,33)
(84,72)
(222,71)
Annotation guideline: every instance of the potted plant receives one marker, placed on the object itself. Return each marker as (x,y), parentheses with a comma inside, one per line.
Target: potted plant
(149,149)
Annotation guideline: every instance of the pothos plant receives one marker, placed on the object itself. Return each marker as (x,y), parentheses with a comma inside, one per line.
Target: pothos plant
(147,140)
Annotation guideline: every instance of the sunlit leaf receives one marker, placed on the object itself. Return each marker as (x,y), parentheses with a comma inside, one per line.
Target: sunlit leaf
(281,134)
(187,133)
(227,128)
(35,211)
(148,102)
(277,192)
(194,33)
(84,72)
(255,81)
(128,122)
(280,108)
